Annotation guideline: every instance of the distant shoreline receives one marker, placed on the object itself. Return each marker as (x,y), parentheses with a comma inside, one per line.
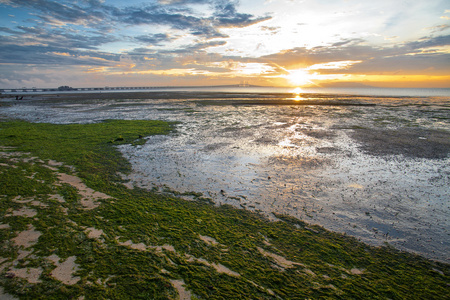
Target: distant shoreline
(247,89)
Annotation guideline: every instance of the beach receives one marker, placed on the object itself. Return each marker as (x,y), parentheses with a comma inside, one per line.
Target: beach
(373,167)
(223,196)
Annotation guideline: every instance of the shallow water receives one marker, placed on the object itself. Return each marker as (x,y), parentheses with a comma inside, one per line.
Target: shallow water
(380,173)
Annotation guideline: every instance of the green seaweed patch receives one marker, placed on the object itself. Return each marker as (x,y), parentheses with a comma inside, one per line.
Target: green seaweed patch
(133,244)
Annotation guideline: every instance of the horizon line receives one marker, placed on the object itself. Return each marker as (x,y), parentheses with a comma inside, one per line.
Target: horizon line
(245,85)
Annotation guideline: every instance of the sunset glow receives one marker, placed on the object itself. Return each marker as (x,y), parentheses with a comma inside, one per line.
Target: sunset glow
(297,93)
(212,42)
(299,77)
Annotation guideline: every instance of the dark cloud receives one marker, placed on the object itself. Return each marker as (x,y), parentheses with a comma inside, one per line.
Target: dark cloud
(186,57)
(142,55)
(44,42)
(208,32)
(31,30)
(172,17)
(427,42)
(52,53)
(226,15)
(80,41)
(201,46)
(64,11)
(153,39)
(56,38)
(175,13)
(188,49)
(155,14)
(345,42)
(9,30)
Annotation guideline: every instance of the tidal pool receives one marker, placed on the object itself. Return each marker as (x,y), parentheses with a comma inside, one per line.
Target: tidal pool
(380,173)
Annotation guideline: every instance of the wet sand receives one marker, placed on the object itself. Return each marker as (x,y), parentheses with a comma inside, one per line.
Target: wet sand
(374,167)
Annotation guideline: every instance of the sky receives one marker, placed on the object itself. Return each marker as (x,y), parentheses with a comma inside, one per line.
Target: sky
(296,43)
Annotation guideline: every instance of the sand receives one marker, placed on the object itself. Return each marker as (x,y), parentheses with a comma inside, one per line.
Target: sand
(27,238)
(182,292)
(89,196)
(279,260)
(65,270)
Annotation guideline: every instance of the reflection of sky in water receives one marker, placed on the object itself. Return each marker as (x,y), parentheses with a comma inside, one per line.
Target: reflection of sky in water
(267,159)
(295,160)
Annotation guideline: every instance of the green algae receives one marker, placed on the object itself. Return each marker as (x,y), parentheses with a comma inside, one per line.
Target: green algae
(319,263)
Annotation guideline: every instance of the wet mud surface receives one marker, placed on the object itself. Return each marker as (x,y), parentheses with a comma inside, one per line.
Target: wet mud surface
(409,142)
(378,171)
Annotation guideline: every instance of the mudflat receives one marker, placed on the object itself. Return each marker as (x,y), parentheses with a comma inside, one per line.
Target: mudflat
(374,167)
(162,219)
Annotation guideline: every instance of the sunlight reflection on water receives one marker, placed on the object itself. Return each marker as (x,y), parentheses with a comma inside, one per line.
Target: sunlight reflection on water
(302,162)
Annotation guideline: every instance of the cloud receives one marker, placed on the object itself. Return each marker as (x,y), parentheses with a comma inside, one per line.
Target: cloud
(191,37)
(9,30)
(48,38)
(346,42)
(154,39)
(183,2)
(439,28)
(46,54)
(226,16)
(54,32)
(334,65)
(184,57)
(63,11)
(175,14)
(201,46)
(423,64)
(30,30)
(155,14)
(351,58)
(271,29)
(428,42)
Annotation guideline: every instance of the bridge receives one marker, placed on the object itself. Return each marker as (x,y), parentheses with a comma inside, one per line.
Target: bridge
(69,89)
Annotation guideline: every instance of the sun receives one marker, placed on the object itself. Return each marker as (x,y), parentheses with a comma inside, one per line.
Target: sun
(297,92)
(298,77)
